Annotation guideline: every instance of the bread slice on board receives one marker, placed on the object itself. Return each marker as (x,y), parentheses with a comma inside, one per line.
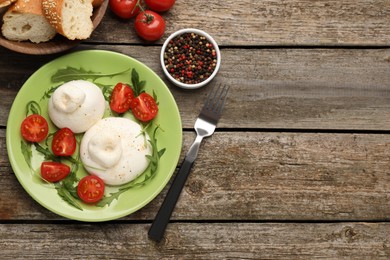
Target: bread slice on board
(71,18)
(24,21)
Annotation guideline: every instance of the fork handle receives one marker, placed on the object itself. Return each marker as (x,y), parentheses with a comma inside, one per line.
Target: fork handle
(161,220)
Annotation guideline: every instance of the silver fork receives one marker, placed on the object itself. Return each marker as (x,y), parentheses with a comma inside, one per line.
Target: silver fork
(204,126)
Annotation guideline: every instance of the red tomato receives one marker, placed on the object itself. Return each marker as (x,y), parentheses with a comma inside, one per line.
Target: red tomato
(160,5)
(144,107)
(124,8)
(54,171)
(64,142)
(34,128)
(90,189)
(149,25)
(121,98)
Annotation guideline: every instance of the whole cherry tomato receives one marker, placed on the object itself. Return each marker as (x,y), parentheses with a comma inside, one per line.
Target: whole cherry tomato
(144,107)
(149,25)
(160,5)
(54,171)
(34,128)
(64,142)
(121,98)
(90,189)
(124,8)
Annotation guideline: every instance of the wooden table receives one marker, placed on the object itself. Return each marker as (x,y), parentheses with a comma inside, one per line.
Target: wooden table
(299,166)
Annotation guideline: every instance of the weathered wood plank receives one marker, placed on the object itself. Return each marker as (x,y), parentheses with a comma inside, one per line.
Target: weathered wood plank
(271,88)
(261,176)
(196,241)
(269,23)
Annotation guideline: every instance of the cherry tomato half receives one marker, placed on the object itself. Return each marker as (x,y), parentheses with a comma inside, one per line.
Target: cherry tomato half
(90,189)
(144,107)
(54,171)
(160,5)
(124,8)
(121,98)
(149,25)
(64,142)
(34,128)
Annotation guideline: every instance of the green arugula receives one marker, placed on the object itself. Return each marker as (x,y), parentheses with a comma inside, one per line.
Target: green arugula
(70,73)
(47,94)
(27,153)
(137,85)
(33,107)
(48,155)
(106,90)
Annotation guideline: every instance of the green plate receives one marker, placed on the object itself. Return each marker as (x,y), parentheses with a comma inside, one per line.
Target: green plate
(170,137)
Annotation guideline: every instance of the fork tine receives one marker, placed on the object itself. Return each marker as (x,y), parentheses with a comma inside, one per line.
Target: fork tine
(220,103)
(216,99)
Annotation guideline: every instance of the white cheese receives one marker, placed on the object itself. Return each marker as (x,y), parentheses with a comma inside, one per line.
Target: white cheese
(77,104)
(115,150)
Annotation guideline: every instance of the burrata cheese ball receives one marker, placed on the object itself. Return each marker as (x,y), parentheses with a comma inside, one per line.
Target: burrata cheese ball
(77,105)
(115,150)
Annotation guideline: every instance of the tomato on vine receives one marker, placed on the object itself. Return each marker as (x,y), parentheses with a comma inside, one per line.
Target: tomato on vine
(125,9)
(149,25)
(160,5)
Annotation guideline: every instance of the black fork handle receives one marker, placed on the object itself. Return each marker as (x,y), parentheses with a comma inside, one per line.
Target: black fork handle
(161,220)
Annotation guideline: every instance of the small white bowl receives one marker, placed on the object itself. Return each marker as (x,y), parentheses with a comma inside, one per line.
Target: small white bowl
(195,85)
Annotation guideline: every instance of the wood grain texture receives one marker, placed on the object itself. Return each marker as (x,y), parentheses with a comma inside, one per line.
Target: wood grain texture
(269,22)
(278,176)
(298,167)
(270,88)
(196,241)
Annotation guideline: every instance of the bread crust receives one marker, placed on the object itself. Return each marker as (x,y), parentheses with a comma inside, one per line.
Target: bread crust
(4,3)
(27,6)
(52,11)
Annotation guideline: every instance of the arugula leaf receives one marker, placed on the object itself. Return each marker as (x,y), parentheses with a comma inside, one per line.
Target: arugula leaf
(108,200)
(33,107)
(64,193)
(70,73)
(106,90)
(136,84)
(51,157)
(49,92)
(155,97)
(46,153)
(27,153)
(154,161)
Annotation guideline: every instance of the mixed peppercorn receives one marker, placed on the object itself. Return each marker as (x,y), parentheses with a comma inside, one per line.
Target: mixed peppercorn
(190,58)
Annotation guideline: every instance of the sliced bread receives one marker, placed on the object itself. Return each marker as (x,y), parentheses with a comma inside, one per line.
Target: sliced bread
(24,21)
(71,18)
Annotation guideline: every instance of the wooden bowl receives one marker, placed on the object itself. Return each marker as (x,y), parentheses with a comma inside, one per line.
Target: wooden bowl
(58,44)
